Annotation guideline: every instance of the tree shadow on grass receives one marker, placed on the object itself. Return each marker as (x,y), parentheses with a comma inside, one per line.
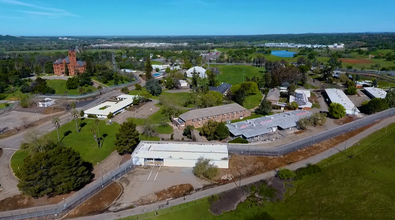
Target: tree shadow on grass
(65,134)
(82,125)
(102,139)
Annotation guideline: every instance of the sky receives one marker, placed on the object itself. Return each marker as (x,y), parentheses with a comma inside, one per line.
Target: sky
(193,17)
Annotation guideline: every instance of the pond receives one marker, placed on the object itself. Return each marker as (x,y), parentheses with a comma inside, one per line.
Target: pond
(283,53)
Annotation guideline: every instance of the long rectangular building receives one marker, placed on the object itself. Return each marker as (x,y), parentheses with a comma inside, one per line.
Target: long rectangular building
(338,96)
(257,129)
(375,92)
(179,154)
(199,117)
(102,110)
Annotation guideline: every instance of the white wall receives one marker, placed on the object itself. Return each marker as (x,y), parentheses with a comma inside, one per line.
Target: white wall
(181,163)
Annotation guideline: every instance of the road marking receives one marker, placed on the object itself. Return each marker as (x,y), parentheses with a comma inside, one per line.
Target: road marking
(156,175)
(149,175)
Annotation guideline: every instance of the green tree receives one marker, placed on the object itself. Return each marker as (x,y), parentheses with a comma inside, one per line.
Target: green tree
(169,84)
(125,90)
(351,90)
(212,81)
(188,130)
(376,105)
(149,129)
(374,83)
(293,105)
(38,69)
(93,131)
(212,98)
(204,168)
(221,132)
(285,174)
(318,119)
(148,68)
(265,108)
(48,67)
(56,123)
(57,171)
(127,138)
(153,87)
(357,77)
(82,113)
(336,110)
(110,115)
(291,89)
(81,90)
(304,123)
(138,86)
(66,70)
(390,98)
(72,83)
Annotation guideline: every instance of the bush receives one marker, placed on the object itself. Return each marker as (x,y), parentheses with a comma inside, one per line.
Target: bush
(125,90)
(351,90)
(336,110)
(308,170)
(285,174)
(304,123)
(138,86)
(239,140)
(92,116)
(3,96)
(204,168)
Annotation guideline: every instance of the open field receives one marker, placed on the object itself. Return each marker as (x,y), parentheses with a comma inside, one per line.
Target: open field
(233,74)
(348,188)
(252,101)
(179,98)
(60,87)
(15,95)
(82,142)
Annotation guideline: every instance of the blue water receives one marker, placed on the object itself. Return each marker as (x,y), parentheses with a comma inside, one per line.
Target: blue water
(282,53)
(157,74)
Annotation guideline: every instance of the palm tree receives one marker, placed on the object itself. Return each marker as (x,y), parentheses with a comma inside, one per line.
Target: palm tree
(93,130)
(75,114)
(56,123)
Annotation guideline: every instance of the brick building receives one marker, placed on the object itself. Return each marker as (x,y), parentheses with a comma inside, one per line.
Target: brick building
(75,67)
(199,117)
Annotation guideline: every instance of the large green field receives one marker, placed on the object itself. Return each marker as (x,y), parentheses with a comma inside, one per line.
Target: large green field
(82,142)
(233,74)
(60,87)
(355,184)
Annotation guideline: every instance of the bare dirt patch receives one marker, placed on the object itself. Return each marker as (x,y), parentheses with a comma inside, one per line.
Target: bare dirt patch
(299,132)
(51,110)
(169,193)
(354,61)
(98,203)
(125,158)
(228,201)
(21,202)
(245,166)
(344,120)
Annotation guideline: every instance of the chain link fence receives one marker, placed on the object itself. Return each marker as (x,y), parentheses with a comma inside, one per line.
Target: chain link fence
(62,208)
(9,108)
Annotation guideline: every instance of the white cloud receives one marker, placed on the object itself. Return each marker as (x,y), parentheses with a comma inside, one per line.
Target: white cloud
(46,11)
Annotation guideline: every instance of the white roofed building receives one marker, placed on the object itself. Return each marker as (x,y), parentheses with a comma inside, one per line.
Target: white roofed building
(102,110)
(199,70)
(302,98)
(338,96)
(375,92)
(179,154)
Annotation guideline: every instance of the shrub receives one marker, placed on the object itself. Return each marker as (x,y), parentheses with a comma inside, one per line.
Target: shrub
(267,191)
(3,96)
(239,140)
(285,174)
(336,110)
(137,86)
(125,90)
(172,137)
(204,168)
(308,170)
(92,116)
(304,123)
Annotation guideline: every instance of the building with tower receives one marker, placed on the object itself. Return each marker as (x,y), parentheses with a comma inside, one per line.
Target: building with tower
(74,67)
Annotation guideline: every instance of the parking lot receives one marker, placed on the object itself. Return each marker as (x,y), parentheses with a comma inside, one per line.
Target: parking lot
(144,181)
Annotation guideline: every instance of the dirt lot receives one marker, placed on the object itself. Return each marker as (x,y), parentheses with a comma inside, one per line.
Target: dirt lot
(169,193)
(21,202)
(51,110)
(344,120)
(344,60)
(98,203)
(246,166)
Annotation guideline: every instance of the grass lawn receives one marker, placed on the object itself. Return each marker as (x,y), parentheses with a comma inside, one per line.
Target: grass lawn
(233,74)
(158,117)
(3,105)
(60,87)
(147,138)
(358,188)
(84,143)
(156,62)
(179,98)
(14,96)
(252,101)
(17,160)
(137,92)
(167,129)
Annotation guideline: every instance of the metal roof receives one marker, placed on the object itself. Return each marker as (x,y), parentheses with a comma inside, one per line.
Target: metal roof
(338,96)
(267,124)
(212,111)
(221,88)
(111,106)
(376,92)
(181,150)
(200,70)
(302,98)
(274,94)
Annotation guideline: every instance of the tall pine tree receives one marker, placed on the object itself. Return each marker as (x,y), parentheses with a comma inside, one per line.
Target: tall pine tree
(127,138)
(148,68)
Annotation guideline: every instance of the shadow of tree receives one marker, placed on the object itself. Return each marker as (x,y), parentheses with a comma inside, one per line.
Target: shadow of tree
(82,125)
(65,134)
(102,139)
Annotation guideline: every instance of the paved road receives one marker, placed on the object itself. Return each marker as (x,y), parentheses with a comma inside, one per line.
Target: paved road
(198,195)
(11,144)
